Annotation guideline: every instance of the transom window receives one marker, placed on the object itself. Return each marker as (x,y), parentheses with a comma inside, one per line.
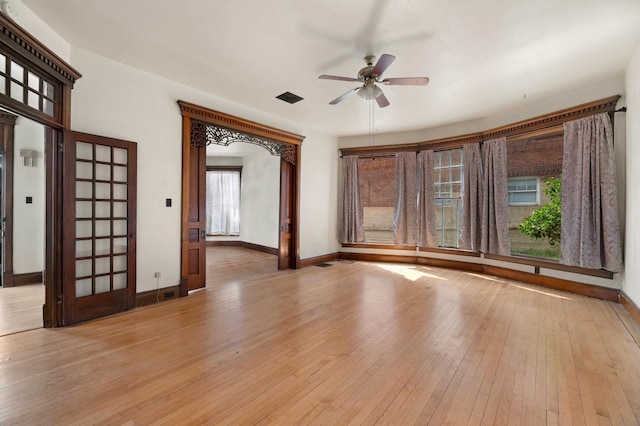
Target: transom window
(26,86)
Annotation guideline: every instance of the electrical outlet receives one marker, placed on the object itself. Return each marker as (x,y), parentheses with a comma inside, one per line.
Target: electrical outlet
(156,275)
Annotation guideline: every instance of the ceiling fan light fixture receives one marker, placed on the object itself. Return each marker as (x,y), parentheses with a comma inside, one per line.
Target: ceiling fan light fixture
(369,91)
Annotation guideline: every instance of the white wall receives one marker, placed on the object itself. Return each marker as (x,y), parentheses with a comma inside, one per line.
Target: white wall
(224,161)
(319,197)
(28,219)
(631,279)
(260,199)
(115,100)
(40,30)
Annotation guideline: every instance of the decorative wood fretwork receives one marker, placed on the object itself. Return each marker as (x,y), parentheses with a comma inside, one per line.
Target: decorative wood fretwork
(206,134)
(231,122)
(534,126)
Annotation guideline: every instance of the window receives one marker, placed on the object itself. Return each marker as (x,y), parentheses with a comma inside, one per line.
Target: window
(530,161)
(376,179)
(25,86)
(448,174)
(523,191)
(223,202)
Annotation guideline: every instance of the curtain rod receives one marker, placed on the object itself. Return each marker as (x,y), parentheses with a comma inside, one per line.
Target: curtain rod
(623,109)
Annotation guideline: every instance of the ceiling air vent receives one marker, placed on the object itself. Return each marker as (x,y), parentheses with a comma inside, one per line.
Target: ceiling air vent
(289,97)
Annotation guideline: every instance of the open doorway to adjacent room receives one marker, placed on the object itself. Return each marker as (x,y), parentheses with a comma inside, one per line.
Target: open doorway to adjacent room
(243,197)
(22,215)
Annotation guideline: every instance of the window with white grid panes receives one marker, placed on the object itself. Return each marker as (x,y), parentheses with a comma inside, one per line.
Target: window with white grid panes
(448,174)
(26,85)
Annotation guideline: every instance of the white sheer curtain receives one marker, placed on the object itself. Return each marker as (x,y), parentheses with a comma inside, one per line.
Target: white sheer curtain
(426,200)
(352,213)
(223,202)
(495,216)
(590,228)
(472,198)
(405,214)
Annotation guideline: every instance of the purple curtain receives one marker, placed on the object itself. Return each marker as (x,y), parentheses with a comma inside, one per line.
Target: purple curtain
(495,217)
(590,227)
(426,200)
(406,209)
(352,214)
(472,196)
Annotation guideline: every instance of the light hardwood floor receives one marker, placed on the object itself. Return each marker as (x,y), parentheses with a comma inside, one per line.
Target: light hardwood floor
(353,342)
(21,308)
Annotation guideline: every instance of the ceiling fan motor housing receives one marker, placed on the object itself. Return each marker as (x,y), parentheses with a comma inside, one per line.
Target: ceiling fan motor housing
(365,73)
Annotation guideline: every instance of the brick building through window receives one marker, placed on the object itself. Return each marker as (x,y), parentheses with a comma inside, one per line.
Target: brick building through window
(529,162)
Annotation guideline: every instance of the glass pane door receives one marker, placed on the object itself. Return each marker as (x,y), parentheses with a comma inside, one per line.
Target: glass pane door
(103,247)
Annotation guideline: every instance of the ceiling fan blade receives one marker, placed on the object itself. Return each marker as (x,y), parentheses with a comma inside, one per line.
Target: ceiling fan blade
(382,100)
(344,96)
(406,81)
(382,64)
(336,77)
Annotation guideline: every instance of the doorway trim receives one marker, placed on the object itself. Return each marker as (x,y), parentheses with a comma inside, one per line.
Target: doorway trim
(283,143)
(7,129)
(19,44)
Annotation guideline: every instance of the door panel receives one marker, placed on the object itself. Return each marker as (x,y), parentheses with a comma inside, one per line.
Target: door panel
(99,243)
(194,229)
(286,253)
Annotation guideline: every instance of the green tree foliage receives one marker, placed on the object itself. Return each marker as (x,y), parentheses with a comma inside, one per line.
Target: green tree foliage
(544,222)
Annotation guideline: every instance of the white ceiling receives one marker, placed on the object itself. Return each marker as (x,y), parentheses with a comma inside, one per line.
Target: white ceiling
(483,57)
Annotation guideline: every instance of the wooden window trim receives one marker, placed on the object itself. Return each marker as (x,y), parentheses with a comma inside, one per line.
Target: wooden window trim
(550,264)
(224,168)
(537,126)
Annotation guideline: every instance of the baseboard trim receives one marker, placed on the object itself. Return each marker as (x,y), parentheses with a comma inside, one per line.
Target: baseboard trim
(368,257)
(415,260)
(303,263)
(526,277)
(630,307)
(27,279)
(152,297)
(250,246)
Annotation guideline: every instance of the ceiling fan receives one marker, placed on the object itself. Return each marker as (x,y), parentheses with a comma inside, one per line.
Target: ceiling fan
(370,75)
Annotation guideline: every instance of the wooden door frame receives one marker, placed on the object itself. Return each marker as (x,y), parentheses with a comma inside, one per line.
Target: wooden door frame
(34,55)
(292,146)
(7,129)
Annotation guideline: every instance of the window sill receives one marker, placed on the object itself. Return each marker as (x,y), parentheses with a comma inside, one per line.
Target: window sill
(550,264)
(378,246)
(522,260)
(449,250)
